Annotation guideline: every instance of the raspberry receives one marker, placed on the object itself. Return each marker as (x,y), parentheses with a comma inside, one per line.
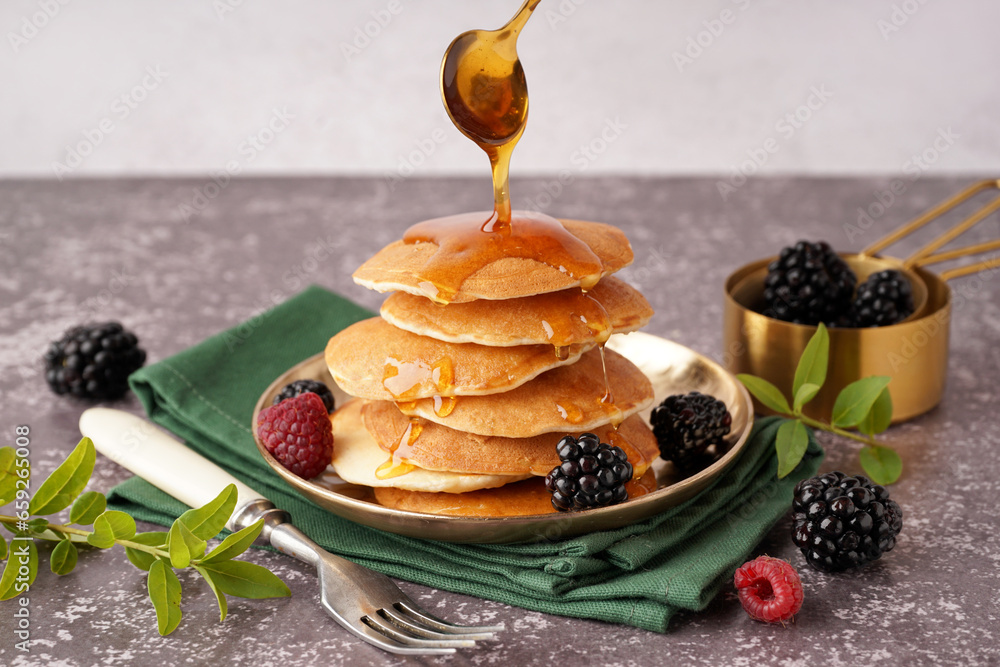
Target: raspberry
(298,433)
(770,589)
(293,389)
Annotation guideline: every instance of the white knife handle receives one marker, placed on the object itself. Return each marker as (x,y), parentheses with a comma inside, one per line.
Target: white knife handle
(139,446)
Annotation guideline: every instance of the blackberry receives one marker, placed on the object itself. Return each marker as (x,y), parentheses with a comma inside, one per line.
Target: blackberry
(685,425)
(299,387)
(592,474)
(885,298)
(808,284)
(843,522)
(93,361)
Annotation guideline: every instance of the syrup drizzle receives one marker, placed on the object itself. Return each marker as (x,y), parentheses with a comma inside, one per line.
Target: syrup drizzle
(470,241)
(486,95)
(404,380)
(398,464)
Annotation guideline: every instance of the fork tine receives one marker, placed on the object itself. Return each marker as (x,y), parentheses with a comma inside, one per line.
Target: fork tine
(442,625)
(386,628)
(423,631)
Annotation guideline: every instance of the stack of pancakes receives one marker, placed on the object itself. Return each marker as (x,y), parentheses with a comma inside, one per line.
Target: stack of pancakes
(459,407)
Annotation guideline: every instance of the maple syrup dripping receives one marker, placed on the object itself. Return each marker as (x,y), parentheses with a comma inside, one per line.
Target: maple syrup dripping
(415,377)
(405,379)
(398,464)
(467,242)
(486,95)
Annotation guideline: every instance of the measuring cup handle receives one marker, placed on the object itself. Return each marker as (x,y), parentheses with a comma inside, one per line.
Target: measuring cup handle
(926,255)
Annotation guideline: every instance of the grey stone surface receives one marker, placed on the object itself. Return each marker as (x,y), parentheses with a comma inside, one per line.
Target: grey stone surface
(84,250)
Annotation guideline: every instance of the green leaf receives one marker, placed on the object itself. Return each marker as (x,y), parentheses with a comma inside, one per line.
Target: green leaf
(235,544)
(8,474)
(766,393)
(66,482)
(63,558)
(3,548)
(882,464)
(165,594)
(805,393)
(856,399)
(219,595)
(87,508)
(110,526)
(814,361)
(184,545)
(206,521)
(246,580)
(879,417)
(38,525)
(791,445)
(9,584)
(143,559)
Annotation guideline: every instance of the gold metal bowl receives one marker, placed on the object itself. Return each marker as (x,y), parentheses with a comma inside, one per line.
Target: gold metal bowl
(914,353)
(671,368)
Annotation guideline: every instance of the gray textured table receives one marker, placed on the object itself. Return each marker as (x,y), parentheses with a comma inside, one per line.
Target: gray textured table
(125,249)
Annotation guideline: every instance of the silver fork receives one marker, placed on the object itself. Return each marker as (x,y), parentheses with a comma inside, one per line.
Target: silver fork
(365,602)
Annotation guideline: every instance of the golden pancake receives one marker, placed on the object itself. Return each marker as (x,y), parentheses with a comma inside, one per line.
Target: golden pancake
(568,397)
(441,448)
(356,457)
(398,267)
(567,317)
(373,359)
(521,499)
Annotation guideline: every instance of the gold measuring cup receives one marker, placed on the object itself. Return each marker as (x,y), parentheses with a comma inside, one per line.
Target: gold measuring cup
(914,353)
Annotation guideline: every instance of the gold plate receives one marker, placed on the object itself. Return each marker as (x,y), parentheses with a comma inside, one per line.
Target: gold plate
(672,368)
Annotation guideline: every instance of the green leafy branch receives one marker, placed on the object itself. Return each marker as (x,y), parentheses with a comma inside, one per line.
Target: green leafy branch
(865,404)
(157,553)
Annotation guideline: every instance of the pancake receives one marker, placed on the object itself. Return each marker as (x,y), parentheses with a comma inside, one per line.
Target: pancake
(559,318)
(356,457)
(520,499)
(563,398)
(362,356)
(398,265)
(441,448)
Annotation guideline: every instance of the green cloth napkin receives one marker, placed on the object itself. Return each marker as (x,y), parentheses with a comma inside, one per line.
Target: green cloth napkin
(639,575)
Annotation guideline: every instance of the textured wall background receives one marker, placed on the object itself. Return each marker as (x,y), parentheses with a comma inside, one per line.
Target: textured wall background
(313,86)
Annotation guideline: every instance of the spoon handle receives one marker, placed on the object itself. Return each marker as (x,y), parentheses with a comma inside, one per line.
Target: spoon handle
(522,16)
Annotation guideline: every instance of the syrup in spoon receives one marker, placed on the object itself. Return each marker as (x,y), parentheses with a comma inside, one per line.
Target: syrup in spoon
(486,95)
